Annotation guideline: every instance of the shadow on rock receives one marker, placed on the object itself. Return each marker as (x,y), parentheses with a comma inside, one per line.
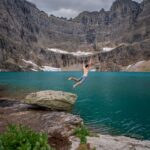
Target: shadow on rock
(59,142)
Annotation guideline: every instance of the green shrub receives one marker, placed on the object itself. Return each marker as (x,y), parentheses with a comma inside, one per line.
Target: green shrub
(81,133)
(19,137)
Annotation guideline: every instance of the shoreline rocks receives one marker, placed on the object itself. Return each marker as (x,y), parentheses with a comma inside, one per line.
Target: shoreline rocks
(60,125)
(108,142)
(54,100)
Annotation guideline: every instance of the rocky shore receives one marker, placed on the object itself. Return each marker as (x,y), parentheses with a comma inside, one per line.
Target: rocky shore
(108,142)
(59,125)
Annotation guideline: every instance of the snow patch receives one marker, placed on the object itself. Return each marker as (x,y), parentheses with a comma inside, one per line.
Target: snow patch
(57,51)
(30,62)
(33,70)
(48,68)
(128,67)
(43,68)
(93,70)
(107,49)
(78,53)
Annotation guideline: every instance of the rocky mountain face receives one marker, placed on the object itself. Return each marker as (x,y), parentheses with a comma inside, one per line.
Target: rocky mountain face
(26,33)
(126,22)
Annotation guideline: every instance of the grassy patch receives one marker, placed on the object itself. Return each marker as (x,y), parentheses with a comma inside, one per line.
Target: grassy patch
(82,132)
(19,137)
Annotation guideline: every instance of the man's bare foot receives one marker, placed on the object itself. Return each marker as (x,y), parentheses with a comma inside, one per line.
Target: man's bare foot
(70,78)
(74,86)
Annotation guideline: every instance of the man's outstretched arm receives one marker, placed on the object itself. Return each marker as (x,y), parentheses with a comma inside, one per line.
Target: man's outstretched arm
(83,65)
(90,62)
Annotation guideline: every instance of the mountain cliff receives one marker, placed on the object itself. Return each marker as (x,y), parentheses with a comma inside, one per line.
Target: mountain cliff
(26,33)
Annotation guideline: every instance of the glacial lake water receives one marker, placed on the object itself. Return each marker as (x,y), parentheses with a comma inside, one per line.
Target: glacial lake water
(110,103)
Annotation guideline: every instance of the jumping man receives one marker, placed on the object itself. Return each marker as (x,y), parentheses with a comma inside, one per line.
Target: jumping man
(86,69)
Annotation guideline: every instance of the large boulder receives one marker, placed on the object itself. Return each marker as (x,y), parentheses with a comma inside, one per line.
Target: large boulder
(55,100)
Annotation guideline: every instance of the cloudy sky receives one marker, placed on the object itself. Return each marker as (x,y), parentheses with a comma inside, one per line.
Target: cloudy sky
(71,8)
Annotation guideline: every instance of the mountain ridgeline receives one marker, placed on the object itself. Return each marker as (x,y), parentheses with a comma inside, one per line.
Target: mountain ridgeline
(26,33)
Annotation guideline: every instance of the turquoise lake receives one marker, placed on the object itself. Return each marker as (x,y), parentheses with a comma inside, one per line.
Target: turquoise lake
(110,103)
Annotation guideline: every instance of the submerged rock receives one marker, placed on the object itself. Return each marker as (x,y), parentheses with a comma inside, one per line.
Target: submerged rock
(55,100)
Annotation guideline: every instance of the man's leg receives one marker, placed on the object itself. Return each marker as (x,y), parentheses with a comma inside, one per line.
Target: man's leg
(74,79)
(81,80)
(77,84)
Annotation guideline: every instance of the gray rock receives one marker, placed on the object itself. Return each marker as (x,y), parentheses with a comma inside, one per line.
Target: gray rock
(55,100)
(126,22)
(57,124)
(108,142)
